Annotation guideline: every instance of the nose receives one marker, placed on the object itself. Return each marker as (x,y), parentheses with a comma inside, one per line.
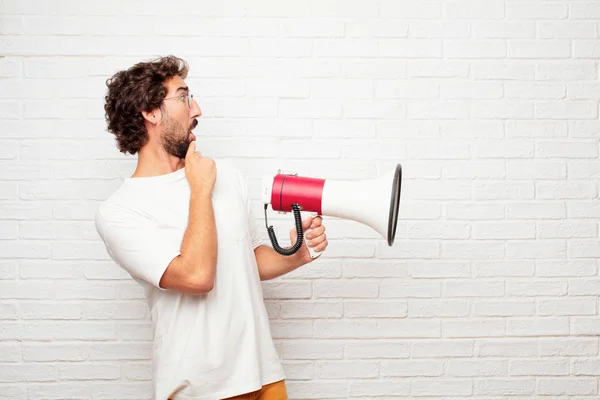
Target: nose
(195,111)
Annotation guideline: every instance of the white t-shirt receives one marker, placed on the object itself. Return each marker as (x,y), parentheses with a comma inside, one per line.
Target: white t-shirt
(210,346)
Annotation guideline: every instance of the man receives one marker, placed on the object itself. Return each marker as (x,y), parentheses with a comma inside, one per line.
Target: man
(181,226)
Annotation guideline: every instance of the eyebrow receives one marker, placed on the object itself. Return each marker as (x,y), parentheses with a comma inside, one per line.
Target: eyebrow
(185,88)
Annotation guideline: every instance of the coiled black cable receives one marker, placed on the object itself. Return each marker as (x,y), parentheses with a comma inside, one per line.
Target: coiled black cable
(298,223)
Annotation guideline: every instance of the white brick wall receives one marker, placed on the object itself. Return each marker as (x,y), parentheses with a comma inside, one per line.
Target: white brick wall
(491,291)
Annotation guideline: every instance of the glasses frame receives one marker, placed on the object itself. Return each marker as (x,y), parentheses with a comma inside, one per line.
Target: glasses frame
(190,98)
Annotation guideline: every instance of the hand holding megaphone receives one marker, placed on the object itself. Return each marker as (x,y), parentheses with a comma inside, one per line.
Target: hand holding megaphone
(314,235)
(374,202)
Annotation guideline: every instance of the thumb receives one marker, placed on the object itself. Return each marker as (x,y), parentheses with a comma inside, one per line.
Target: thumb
(191,149)
(307,223)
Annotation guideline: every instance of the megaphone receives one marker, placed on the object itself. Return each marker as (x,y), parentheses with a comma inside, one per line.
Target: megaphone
(373,202)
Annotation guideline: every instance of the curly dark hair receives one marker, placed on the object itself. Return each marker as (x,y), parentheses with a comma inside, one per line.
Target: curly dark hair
(139,88)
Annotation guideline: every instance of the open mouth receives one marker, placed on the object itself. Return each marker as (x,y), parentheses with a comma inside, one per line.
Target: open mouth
(192,127)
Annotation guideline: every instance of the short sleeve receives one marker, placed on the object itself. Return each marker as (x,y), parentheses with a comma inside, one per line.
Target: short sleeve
(134,243)
(252,228)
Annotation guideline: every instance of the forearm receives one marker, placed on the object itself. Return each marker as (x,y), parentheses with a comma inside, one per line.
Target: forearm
(272,264)
(199,245)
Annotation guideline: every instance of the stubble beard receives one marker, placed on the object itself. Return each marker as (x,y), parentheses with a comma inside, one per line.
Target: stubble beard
(176,139)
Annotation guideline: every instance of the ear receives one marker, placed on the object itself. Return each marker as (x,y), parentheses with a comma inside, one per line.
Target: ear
(153,116)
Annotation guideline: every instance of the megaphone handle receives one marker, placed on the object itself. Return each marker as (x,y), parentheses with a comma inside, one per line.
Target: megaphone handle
(313,253)
(299,239)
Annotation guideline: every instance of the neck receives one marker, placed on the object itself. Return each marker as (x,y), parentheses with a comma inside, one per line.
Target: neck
(153,161)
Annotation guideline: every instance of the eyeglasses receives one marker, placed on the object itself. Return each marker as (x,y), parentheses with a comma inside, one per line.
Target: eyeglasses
(183,97)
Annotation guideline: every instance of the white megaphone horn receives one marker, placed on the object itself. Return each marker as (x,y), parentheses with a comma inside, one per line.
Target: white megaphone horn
(373,202)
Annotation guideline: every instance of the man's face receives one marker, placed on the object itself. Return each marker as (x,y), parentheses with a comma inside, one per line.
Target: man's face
(178,118)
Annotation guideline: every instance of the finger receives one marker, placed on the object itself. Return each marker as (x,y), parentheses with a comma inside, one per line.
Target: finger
(320,239)
(191,149)
(316,221)
(315,232)
(307,223)
(316,241)
(321,247)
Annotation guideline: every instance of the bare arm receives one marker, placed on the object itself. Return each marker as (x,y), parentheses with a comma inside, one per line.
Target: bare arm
(271,264)
(193,271)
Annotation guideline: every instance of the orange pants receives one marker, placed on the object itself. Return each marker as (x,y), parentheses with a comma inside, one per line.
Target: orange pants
(272,391)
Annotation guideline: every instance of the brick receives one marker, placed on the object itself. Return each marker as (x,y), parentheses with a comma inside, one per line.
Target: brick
(137,371)
(307,349)
(504,30)
(297,309)
(544,326)
(504,308)
(438,308)
(462,288)
(431,68)
(567,30)
(542,129)
(376,28)
(566,71)
(472,49)
(337,289)
(424,10)
(380,349)
(536,210)
(538,368)
(568,386)
(411,48)
(417,289)
(575,229)
(536,288)
(507,347)
(412,368)
(568,268)
(472,328)
(441,387)
(347,369)
(457,9)
(586,49)
(503,230)
(568,347)
(476,368)
(491,190)
(536,10)
(574,306)
(299,370)
(10,352)
(442,348)
(563,110)
(540,249)
(541,49)
(381,387)
(474,211)
(124,390)
(534,170)
(292,329)
(505,387)
(96,371)
(438,29)
(583,169)
(44,311)
(375,309)
(585,326)
(586,367)
(470,249)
